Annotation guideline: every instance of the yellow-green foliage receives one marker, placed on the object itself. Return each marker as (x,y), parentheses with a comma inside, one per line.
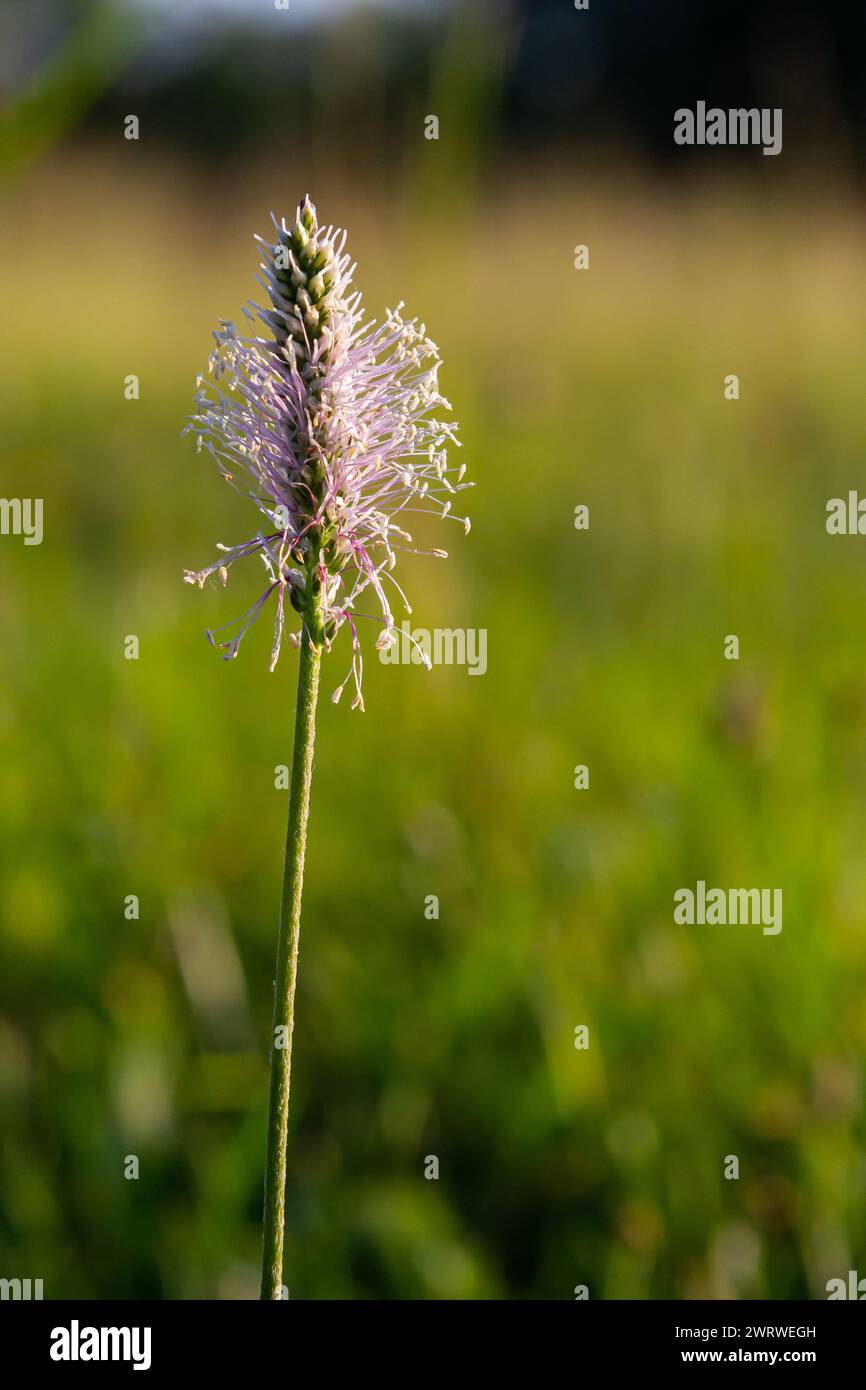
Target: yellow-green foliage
(451,1037)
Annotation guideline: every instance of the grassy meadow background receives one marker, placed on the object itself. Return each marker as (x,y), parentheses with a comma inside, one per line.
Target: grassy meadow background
(453,1037)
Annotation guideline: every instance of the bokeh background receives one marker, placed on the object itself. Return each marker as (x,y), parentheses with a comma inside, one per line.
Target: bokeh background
(155,777)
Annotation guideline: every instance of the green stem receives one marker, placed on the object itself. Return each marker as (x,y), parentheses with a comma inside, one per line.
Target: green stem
(287,968)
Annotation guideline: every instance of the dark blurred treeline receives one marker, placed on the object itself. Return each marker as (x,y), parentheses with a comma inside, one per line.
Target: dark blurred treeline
(221,81)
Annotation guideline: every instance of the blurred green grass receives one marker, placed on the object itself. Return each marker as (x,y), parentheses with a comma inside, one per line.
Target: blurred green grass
(454,1037)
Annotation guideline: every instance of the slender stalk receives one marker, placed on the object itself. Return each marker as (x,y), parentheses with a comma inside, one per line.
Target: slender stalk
(287,968)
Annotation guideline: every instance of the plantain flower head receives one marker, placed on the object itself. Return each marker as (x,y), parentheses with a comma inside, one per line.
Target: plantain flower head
(330,425)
